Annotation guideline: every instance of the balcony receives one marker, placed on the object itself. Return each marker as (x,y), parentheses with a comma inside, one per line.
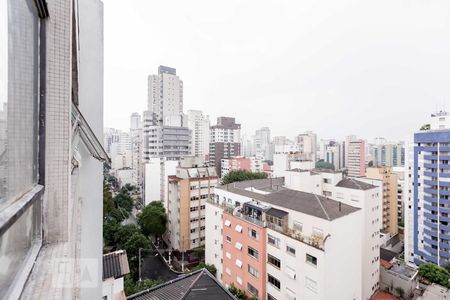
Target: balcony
(315,241)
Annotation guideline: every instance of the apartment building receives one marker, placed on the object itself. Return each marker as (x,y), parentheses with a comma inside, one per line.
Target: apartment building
(356,157)
(401,174)
(252,164)
(387,154)
(307,144)
(156,173)
(276,243)
(287,157)
(199,125)
(188,191)
(334,154)
(51,162)
(427,235)
(262,143)
(389,180)
(165,131)
(362,193)
(225,141)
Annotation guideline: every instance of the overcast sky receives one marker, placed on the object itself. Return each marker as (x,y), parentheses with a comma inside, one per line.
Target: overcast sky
(371,68)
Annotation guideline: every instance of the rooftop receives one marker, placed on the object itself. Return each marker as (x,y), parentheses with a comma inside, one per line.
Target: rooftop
(351,183)
(115,264)
(271,191)
(435,292)
(198,285)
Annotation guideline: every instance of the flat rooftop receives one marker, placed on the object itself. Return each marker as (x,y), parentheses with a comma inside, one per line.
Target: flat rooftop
(273,192)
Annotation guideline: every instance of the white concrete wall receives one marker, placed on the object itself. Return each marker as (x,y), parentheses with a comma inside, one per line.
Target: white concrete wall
(91,170)
(152,181)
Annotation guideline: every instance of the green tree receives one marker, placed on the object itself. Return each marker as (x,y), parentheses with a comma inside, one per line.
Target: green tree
(425,127)
(124,233)
(242,175)
(153,219)
(211,268)
(132,287)
(321,164)
(435,274)
(124,200)
(136,241)
(110,228)
(240,294)
(108,203)
(400,292)
(118,214)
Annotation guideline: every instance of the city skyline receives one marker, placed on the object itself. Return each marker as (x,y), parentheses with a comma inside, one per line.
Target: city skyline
(396,67)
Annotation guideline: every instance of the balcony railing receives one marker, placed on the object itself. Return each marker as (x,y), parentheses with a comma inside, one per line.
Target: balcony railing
(315,241)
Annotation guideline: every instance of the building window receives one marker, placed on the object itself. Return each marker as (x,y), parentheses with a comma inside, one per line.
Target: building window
(252,289)
(273,261)
(253,234)
(272,280)
(228,238)
(290,250)
(311,259)
(274,241)
(252,252)
(270,297)
(311,284)
(253,271)
(298,226)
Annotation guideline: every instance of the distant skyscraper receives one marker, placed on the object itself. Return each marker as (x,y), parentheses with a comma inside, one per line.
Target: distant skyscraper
(427,234)
(165,97)
(387,154)
(307,144)
(225,141)
(356,158)
(165,132)
(135,122)
(262,143)
(333,154)
(199,124)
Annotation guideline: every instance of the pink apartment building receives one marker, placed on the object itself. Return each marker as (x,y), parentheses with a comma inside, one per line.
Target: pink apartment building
(252,164)
(244,262)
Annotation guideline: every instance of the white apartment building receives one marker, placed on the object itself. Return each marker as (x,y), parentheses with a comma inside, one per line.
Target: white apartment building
(188,190)
(199,124)
(262,144)
(52,161)
(334,154)
(357,193)
(356,157)
(225,141)
(307,143)
(165,131)
(278,243)
(156,173)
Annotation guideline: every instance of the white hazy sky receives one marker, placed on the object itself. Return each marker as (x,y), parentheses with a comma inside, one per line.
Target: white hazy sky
(371,68)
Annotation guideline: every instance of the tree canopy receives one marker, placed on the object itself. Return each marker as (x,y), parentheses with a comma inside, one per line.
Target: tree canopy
(211,268)
(132,287)
(435,274)
(242,175)
(321,164)
(153,219)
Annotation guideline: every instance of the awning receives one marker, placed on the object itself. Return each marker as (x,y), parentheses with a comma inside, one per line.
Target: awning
(238,246)
(290,272)
(238,263)
(238,228)
(227,223)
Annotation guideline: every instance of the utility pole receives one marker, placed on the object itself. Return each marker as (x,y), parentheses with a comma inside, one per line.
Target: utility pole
(140,264)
